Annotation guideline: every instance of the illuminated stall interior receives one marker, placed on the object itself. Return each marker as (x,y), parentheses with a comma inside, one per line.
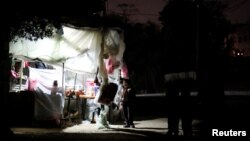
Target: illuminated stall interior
(69,63)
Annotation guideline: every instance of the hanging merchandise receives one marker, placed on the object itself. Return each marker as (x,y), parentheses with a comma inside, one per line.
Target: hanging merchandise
(90,87)
(112,42)
(124,71)
(111,64)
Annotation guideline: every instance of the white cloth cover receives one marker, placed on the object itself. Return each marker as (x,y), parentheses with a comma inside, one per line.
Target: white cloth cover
(47,106)
(77,49)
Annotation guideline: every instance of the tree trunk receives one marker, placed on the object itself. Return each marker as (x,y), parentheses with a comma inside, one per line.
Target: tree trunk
(4,78)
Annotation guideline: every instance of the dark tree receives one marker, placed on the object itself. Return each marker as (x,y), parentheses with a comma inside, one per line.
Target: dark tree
(179,35)
(193,39)
(33,27)
(141,54)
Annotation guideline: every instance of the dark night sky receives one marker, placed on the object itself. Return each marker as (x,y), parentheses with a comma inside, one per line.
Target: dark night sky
(238,11)
(148,10)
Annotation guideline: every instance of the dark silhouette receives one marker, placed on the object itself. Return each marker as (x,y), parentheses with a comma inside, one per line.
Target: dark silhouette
(143,56)
(179,107)
(128,96)
(193,36)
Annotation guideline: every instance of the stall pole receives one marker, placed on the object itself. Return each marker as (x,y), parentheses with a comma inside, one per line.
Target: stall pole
(63,88)
(21,76)
(63,80)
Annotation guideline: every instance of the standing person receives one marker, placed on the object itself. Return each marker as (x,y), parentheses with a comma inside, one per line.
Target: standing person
(128,97)
(173,108)
(180,106)
(187,105)
(54,89)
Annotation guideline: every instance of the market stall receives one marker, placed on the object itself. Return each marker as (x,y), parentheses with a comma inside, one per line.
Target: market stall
(70,59)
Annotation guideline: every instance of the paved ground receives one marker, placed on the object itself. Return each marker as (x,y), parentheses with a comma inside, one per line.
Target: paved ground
(86,130)
(150,122)
(145,130)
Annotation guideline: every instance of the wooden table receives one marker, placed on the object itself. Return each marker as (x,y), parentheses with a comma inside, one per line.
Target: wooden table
(87,96)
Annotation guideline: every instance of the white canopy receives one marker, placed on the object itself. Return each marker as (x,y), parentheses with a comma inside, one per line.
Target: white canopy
(78,49)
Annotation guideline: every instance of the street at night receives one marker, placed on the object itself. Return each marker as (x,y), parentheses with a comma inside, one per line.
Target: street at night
(125,70)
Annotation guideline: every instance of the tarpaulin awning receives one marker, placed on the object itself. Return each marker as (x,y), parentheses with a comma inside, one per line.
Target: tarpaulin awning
(77,49)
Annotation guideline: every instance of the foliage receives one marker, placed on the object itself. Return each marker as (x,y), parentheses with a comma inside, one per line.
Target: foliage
(37,23)
(142,55)
(32,27)
(127,9)
(142,50)
(193,33)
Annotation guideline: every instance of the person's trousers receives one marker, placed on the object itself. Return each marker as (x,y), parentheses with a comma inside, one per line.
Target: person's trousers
(128,113)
